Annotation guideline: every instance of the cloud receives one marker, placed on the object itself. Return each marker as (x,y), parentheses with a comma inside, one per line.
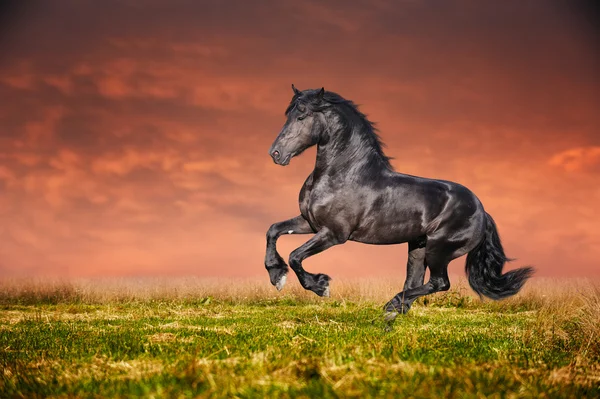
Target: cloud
(124,161)
(577,159)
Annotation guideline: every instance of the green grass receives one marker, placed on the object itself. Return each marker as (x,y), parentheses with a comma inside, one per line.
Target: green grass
(64,342)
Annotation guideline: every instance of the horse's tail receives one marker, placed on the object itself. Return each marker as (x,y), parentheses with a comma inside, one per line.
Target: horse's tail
(484,267)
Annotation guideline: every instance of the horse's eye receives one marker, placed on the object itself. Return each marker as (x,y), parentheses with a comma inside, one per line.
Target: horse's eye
(301,117)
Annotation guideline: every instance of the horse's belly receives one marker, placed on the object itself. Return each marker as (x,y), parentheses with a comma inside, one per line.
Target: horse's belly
(385,235)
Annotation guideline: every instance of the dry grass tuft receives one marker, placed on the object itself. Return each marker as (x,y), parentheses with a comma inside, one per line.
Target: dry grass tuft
(537,294)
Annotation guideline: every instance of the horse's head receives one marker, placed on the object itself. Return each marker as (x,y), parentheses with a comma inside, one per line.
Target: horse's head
(302,128)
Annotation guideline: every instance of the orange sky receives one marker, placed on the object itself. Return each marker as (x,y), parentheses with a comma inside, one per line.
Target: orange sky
(134,134)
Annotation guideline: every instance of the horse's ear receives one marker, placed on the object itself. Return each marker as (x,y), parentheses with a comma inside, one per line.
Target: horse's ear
(321,93)
(296,91)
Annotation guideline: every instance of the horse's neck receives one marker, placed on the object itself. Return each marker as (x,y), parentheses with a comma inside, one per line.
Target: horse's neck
(335,157)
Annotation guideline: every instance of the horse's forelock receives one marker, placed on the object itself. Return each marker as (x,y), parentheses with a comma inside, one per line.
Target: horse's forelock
(309,97)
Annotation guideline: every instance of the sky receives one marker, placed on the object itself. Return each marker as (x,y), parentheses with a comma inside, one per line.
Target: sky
(134,135)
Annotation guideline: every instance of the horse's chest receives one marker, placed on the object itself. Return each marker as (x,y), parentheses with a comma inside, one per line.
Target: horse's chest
(309,210)
(309,200)
(305,200)
(317,198)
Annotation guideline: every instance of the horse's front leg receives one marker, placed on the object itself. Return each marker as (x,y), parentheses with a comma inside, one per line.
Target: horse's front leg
(273,261)
(317,283)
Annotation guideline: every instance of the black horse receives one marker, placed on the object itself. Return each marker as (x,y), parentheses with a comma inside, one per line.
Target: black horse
(354,194)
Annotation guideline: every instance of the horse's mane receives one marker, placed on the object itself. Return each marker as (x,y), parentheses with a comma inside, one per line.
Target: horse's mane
(346,109)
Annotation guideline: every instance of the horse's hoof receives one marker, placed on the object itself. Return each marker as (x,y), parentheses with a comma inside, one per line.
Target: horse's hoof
(281,283)
(278,276)
(390,316)
(390,308)
(321,287)
(397,308)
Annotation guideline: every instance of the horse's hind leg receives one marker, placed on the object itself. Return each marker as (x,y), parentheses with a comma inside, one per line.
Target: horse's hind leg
(274,263)
(437,256)
(317,283)
(415,267)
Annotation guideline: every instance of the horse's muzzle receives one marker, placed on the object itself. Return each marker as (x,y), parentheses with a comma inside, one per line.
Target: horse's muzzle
(280,159)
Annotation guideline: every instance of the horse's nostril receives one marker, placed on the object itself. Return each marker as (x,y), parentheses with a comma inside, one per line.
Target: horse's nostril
(275,154)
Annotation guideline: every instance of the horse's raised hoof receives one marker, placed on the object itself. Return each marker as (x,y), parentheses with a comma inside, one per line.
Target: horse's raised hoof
(278,276)
(321,285)
(281,283)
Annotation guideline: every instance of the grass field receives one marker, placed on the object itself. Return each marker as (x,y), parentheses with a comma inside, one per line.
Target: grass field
(231,338)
